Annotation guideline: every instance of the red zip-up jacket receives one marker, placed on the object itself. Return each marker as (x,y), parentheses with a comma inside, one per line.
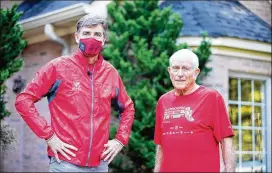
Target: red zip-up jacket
(79,98)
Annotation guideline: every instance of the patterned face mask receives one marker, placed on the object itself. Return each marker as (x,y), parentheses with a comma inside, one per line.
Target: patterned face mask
(90,46)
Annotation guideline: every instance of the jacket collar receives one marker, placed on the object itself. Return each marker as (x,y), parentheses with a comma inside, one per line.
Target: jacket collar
(83,61)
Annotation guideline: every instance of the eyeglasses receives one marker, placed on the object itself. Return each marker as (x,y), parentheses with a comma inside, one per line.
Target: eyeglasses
(184,69)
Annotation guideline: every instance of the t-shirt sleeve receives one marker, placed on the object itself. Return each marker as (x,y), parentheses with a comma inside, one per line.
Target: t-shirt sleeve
(158,122)
(222,127)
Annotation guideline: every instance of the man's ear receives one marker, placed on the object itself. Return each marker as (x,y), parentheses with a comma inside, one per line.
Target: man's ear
(103,41)
(169,70)
(196,73)
(76,37)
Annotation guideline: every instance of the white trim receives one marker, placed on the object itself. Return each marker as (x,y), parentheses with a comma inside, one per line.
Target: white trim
(80,9)
(218,51)
(248,76)
(31,19)
(268,112)
(54,16)
(248,152)
(63,20)
(229,42)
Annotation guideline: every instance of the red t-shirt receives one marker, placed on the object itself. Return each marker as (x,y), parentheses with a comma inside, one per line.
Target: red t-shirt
(189,129)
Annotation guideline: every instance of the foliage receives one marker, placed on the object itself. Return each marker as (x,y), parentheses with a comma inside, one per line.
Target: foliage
(142,37)
(11,45)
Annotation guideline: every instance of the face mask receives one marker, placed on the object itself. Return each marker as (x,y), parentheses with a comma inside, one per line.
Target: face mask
(90,46)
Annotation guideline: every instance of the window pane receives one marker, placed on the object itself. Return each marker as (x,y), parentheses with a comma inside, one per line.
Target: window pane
(246,115)
(233,89)
(258,159)
(258,91)
(236,139)
(258,116)
(233,113)
(247,160)
(246,90)
(258,140)
(237,160)
(247,140)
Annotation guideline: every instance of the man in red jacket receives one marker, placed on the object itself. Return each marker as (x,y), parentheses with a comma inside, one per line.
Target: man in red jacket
(80,89)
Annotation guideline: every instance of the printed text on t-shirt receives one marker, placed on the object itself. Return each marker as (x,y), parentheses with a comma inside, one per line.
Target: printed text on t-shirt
(178,112)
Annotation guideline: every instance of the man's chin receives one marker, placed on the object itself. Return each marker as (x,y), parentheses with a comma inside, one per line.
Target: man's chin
(180,87)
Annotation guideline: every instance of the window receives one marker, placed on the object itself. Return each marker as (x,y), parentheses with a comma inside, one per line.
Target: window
(247,110)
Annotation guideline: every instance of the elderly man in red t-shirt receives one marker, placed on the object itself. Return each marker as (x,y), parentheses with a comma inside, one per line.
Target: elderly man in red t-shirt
(191,121)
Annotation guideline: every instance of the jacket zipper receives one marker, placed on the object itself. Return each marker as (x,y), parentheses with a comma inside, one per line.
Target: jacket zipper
(92,110)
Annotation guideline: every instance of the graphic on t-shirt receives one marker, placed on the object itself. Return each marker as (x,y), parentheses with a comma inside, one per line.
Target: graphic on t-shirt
(178,112)
(176,130)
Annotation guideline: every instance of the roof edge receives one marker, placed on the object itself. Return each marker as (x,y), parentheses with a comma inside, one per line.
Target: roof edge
(263,48)
(54,16)
(230,42)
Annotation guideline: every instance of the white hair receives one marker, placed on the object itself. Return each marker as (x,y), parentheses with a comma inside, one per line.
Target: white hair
(185,53)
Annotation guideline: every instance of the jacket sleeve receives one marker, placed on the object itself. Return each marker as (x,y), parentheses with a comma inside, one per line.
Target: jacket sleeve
(33,92)
(126,112)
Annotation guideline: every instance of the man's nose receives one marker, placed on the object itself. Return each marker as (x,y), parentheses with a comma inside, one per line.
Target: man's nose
(180,73)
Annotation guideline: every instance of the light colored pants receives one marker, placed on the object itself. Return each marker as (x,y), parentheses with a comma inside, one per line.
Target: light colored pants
(63,166)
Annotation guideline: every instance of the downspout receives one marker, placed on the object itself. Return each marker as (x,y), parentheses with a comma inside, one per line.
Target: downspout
(50,33)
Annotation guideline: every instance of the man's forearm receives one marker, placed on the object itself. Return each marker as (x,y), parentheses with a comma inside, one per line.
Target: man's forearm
(158,159)
(25,106)
(228,154)
(126,119)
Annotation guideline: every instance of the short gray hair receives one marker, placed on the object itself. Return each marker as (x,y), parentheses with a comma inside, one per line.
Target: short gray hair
(92,20)
(185,53)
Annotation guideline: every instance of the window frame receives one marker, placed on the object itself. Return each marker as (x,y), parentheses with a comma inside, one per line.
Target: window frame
(266,118)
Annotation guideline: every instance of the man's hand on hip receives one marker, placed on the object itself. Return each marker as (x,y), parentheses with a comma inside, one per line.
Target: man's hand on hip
(57,145)
(113,147)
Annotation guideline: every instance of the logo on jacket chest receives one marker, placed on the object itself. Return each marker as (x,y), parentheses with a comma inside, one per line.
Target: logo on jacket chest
(76,86)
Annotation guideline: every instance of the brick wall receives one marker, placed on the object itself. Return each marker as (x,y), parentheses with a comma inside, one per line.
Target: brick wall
(30,152)
(223,65)
(260,8)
